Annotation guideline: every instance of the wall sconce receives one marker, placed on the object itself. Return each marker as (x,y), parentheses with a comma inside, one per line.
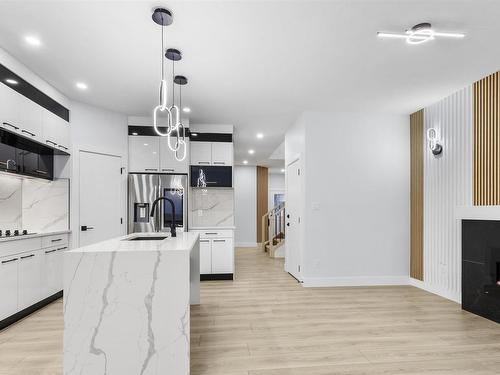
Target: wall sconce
(433,139)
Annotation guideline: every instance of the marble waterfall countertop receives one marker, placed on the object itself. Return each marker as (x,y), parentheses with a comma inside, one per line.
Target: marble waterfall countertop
(127,305)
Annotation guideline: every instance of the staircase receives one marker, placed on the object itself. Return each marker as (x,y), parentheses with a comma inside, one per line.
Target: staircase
(273,231)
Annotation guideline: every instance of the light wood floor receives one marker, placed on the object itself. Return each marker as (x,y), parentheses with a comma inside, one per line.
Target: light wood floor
(264,323)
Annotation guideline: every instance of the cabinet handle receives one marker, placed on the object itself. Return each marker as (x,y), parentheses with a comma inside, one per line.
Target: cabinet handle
(52,143)
(27,132)
(62,248)
(219,162)
(56,240)
(28,256)
(219,240)
(211,233)
(12,126)
(61,146)
(50,251)
(150,169)
(204,162)
(204,240)
(167,170)
(9,261)
(39,171)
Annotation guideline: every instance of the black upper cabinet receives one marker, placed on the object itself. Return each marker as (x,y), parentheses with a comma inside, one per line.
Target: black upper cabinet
(23,156)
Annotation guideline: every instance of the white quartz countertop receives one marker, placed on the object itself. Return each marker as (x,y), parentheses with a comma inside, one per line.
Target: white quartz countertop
(477,212)
(34,235)
(183,242)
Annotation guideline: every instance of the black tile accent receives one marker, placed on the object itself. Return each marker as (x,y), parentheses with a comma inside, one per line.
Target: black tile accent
(29,310)
(217,276)
(31,92)
(481,268)
(210,137)
(150,131)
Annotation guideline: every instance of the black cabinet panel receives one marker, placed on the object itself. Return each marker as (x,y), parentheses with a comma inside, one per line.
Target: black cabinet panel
(211,176)
(8,158)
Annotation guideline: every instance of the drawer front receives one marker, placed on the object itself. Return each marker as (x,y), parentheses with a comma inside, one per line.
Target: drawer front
(215,233)
(56,240)
(19,246)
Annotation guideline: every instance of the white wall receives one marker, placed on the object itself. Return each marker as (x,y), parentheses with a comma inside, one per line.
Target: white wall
(447,184)
(245,206)
(275,185)
(100,131)
(355,170)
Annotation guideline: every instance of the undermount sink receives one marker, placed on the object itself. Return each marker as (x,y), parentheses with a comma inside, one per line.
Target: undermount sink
(148,238)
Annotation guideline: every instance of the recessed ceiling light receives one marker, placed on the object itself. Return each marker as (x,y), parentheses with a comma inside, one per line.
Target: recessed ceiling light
(260,135)
(186,109)
(282,170)
(11,81)
(418,34)
(81,86)
(32,40)
(194,134)
(134,133)
(251,152)
(145,144)
(245,161)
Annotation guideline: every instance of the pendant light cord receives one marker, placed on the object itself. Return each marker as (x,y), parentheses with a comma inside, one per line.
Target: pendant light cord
(173,82)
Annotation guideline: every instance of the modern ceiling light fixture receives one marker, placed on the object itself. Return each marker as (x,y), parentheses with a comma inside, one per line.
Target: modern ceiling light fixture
(81,86)
(11,81)
(186,109)
(260,135)
(180,129)
(32,40)
(162,17)
(251,151)
(434,140)
(420,33)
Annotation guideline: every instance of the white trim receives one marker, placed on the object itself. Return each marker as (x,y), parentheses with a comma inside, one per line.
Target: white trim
(438,291)
(246,244)
(354,281)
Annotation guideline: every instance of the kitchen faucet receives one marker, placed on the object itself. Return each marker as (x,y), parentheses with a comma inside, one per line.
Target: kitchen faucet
(172,224)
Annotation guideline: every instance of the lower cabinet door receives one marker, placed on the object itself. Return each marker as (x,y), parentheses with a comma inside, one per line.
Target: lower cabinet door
(222,255)
(8,286)
(205,257)
(51,271)
(29,279)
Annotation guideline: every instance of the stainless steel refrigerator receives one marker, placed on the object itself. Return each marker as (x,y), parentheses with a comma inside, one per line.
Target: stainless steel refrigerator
(143,189)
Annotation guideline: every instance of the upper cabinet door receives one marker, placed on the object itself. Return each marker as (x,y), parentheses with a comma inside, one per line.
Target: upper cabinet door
(168,162)
(201,153)
(55,131)
(222,153)
(30,119)
(144,154)
(10,102)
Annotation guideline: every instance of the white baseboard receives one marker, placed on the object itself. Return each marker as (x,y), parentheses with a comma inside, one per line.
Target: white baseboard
(434,290)
(245,244)
(354,281)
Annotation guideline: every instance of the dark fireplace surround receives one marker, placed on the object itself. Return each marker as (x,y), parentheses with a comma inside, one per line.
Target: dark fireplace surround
(481,268)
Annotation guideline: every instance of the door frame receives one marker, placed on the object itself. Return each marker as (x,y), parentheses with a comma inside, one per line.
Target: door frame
(123,193)
(298,275)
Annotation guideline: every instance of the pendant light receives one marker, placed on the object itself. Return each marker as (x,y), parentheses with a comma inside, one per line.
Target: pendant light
(181,145)
(174,55)
(162,17)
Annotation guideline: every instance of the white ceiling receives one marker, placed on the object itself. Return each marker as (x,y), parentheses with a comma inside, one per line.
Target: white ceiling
(256,64)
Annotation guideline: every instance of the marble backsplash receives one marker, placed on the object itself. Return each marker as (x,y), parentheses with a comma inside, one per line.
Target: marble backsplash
(34,204)
(211,207)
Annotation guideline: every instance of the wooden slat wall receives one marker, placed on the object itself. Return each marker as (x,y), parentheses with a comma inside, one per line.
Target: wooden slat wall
(486,151)
(417,195)
(262,202)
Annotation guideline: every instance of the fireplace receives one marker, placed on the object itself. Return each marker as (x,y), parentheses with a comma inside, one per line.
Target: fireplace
(481,268)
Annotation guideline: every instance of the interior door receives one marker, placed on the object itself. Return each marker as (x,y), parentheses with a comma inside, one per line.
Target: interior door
(293,222)
(100,197)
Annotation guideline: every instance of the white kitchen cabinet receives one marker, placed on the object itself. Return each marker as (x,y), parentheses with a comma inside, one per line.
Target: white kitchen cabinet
(201,153)
(168,162)
(222,153)
(30,119)
(222,255)
(9,108)
(55,131)
(52,266)
(8,285)
(205,256)
(29,290)
(144,154)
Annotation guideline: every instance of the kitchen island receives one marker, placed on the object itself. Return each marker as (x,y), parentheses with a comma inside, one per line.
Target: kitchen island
(126,305)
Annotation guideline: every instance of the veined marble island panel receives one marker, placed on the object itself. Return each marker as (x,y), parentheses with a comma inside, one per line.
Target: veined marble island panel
(126,306)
